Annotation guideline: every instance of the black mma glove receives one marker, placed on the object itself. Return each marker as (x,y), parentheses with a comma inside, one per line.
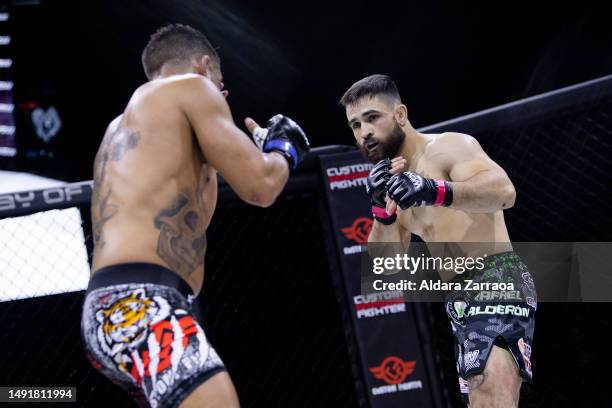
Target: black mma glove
(411,189)
(285,136)
(376,189)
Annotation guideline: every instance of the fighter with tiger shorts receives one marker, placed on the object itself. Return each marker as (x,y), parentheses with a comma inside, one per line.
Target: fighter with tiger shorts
(144,336)
(155,193)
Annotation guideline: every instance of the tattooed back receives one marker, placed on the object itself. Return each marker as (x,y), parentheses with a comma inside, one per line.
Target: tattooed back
(154,192)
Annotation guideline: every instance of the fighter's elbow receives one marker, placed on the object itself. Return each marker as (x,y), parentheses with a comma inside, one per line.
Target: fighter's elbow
(261,185)
(258,196)
(264,192)
(508,196)
(262,199)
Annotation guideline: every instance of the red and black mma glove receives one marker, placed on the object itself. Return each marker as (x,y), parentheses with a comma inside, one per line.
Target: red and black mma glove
(410,189)
(375,187)
(285,136)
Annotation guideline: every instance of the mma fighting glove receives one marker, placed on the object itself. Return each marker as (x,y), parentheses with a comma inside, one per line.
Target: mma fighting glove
(376,189)
(285,136)
(411,189)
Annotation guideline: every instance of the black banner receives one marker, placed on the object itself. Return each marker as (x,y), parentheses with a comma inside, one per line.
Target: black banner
(384,326)
(52,198)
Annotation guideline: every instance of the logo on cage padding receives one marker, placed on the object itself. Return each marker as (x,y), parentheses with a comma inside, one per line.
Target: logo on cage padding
(359,230)
(47,123)
(393,370)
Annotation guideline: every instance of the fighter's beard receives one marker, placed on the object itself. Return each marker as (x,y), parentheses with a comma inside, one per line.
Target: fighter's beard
(387,149)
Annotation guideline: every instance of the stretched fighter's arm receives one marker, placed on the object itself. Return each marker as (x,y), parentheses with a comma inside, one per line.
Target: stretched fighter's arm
(475,182)
(256,177)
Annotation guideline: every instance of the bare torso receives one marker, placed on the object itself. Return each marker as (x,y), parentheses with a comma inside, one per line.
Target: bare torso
(441,224)
(154,193)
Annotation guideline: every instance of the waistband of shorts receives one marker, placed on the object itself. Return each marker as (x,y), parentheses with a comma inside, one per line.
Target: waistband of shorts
(497,260)
(138,272)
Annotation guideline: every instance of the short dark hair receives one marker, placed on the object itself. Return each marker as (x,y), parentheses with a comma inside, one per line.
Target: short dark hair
(175,42)
(371,86)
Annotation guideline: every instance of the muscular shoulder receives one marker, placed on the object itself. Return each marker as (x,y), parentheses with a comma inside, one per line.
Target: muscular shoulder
(452,142)
(114,123)
(191,83)
(192,88)
(448,148)
(179,90)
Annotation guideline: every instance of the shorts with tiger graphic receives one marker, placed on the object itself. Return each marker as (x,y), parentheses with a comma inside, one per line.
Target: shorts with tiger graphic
(138,329)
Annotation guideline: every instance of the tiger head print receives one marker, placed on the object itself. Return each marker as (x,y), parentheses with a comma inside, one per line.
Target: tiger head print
(125,321)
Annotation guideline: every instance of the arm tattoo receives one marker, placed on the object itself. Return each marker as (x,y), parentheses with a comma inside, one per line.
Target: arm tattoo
(182,235)
(115,145)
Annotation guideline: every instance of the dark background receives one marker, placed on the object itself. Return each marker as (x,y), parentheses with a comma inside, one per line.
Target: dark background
(448,59)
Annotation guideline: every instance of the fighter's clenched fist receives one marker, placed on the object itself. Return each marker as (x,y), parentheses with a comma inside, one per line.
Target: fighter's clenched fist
(376,189)
(281,135)
(410,189)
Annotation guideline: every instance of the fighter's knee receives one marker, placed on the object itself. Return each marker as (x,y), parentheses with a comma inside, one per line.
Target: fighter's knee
(503,369)
(217,392)
(489,390)
(497,387)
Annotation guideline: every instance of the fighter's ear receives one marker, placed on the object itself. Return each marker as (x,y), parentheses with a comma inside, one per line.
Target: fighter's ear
(209,65)
(202,65)
(401,114)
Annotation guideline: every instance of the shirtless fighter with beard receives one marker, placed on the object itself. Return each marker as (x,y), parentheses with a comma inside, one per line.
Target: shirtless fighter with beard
(444,188)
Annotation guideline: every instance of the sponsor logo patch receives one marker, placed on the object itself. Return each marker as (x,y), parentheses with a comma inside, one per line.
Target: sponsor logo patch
(456,309)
